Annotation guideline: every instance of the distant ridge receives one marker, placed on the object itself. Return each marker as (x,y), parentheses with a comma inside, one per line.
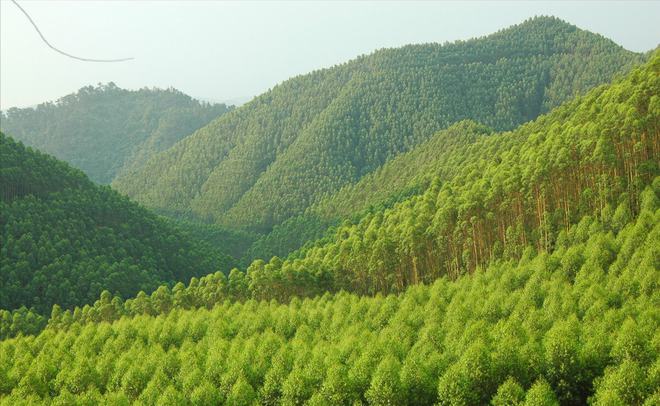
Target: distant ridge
(105,130)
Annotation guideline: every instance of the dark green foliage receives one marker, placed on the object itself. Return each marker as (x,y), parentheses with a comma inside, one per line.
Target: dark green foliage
(289,236)
(309,136)
(65,239)
(408,174)
(106,130)
(235,243)
(34,173)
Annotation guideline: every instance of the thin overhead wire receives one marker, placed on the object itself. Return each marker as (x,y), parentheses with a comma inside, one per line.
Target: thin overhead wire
(60,51)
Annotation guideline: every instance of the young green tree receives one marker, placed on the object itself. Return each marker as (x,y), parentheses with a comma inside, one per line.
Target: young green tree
(510,393)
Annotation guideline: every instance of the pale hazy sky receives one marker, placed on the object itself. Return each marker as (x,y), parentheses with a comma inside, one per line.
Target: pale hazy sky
(227,50)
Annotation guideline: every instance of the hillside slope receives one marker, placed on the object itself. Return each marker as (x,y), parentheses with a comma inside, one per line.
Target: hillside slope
(105,130)
(405,175)
(307,137)
(540,331)
(494,197)
(64,239)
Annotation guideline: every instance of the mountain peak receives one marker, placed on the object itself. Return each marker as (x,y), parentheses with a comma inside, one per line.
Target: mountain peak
(545,20)
(548,26)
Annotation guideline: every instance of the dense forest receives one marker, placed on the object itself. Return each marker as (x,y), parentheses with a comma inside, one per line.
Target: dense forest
(106,130)
(401,177)
(64,239)
(493,198)
(460,224)
(304,139)
(563,328)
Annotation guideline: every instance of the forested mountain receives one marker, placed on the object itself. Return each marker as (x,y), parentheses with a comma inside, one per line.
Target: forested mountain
(105,130)
(495,197)
(303,140)
(64,239)
(476,264)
